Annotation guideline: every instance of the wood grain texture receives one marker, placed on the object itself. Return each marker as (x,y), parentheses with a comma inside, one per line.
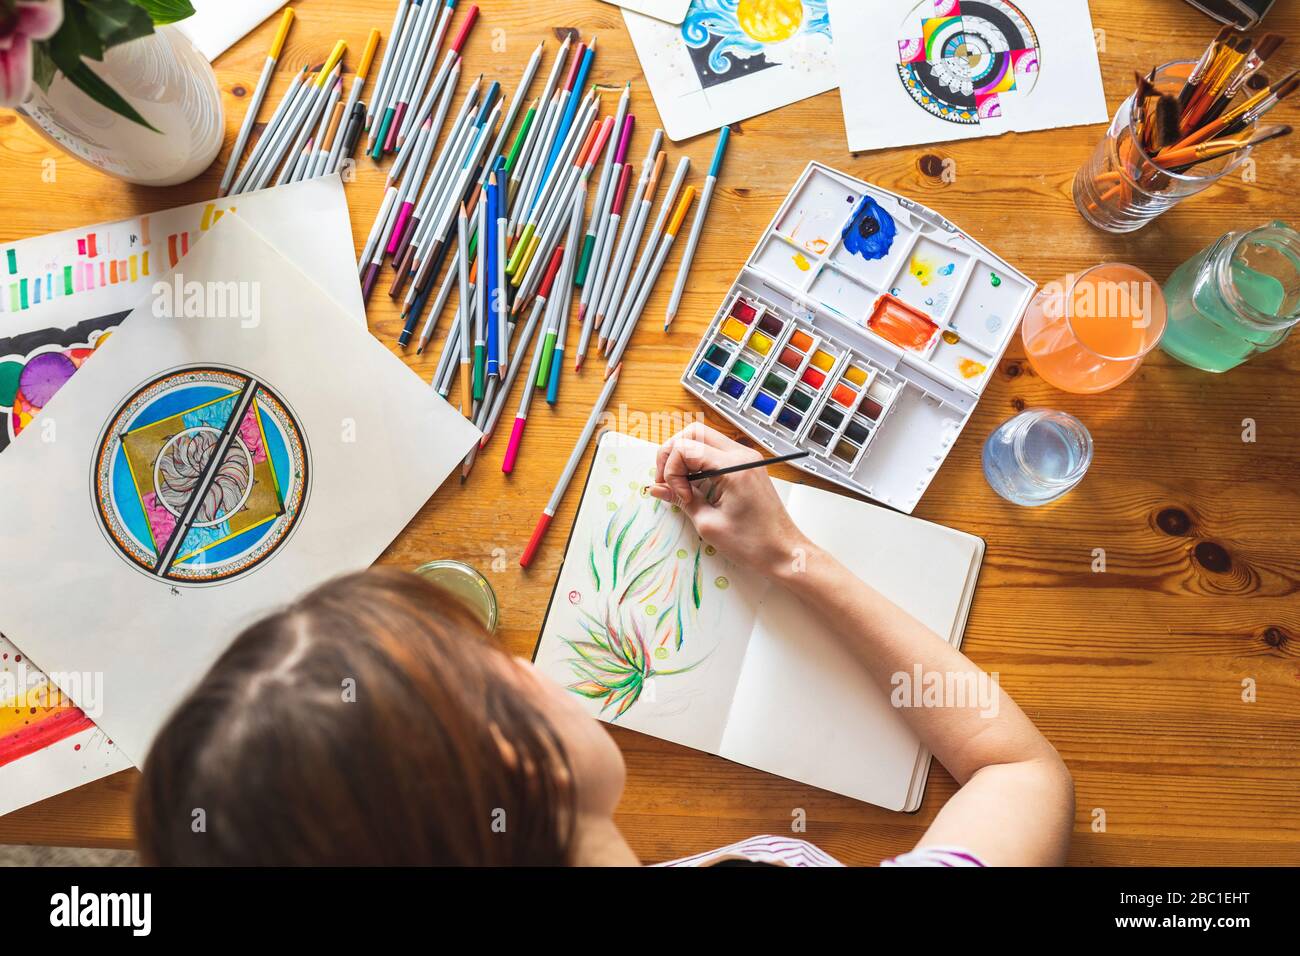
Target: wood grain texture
(1135,674)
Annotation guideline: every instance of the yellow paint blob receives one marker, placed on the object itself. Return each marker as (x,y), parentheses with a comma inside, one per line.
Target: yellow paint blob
(922,270)
(969,368)
(824,361)
(770,21)
(760,343)
(857,376)
(802,262)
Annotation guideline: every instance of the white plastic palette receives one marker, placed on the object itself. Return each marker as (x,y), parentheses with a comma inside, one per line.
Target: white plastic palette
(863,328)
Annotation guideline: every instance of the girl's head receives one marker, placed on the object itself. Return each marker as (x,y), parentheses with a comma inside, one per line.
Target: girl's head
(373,723)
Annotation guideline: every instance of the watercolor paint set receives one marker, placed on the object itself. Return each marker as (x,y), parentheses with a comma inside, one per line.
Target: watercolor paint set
(863,328)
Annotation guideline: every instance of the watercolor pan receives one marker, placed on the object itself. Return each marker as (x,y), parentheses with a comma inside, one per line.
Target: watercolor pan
(860,307)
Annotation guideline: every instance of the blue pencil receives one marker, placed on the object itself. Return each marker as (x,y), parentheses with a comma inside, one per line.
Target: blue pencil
(566,121)
(489,245)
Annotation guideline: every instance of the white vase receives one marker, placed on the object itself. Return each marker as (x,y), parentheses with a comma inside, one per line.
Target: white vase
(168,82)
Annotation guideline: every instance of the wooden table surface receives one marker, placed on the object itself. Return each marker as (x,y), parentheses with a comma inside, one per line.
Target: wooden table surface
(1135,674)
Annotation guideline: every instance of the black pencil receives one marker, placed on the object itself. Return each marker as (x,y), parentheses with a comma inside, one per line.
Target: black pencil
(761,463)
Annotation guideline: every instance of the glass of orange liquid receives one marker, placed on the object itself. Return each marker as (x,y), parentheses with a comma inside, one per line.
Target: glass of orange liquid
(1089,332)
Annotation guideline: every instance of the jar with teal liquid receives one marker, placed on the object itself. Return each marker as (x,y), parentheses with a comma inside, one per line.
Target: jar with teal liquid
(1238,297)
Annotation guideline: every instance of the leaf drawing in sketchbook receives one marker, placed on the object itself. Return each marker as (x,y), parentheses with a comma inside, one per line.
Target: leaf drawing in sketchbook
(733,59)
(640,611)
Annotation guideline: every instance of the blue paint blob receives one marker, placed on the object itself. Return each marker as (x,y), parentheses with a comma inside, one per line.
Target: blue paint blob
(708,373)
(871,231)
(791,419)
(765,403)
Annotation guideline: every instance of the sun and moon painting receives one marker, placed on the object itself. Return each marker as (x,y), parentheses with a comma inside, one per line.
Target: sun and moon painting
(969,55)
(732,38)
(734,59)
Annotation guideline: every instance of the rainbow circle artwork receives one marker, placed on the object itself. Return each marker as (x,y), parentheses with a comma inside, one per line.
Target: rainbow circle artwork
(970,54)
(200,475)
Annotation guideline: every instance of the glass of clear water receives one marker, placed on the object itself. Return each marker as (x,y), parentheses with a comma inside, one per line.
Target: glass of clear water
(1037,457)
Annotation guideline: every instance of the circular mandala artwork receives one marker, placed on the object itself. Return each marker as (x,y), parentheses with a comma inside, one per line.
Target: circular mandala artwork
(200,475)
(969,56)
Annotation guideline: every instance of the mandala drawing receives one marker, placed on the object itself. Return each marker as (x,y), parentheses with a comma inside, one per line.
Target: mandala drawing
(200,475)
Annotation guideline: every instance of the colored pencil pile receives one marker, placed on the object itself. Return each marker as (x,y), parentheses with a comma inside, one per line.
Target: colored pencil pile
(312,130)
(495,210)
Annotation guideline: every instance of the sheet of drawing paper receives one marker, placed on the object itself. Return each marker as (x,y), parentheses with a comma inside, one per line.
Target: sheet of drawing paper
(47,743)
(647,625)
(803,708)
(62,278)
(205,470)
(217,24)
(44,342)
(669,11)
(730,60)
(928,71)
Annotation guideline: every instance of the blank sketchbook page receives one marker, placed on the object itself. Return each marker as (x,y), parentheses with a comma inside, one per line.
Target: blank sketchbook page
(803,707)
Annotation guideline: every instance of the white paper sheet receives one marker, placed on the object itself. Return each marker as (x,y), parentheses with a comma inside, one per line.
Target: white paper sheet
(217,24)
(377,444)
(927,71)
(727,63)
(309,221)
(61,278)
(669,11)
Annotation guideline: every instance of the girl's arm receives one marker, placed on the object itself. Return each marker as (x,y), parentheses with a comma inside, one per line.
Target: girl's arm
(1016,802)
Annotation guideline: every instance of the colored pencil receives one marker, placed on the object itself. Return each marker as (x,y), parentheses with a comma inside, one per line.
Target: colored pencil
(526,396)
(579,195)
(351,134)
(577,82)
(587,316)
(570,469)
(569,268)
(613,297)
(379,96)
(490,277)
(373,255)
(354,96)
(451,62)
(601,218)
(665,247)
(328,76)
(500,304)
(255,104)
(272,144)
(747,466)
(425,52)
(489,421)
(608,177)
(601,304)
(544,103)
(462,272)
(620,316)
(273,127)
(399,70)
(697,228)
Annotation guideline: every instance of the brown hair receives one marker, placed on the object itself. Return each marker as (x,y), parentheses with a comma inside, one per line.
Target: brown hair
(289,769)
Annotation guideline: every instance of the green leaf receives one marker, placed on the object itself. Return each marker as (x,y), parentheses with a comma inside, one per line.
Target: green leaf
(43,68)
(89,82)
(167,11)
(115,22)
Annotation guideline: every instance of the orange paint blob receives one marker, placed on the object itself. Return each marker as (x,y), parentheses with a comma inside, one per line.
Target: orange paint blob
(897,322)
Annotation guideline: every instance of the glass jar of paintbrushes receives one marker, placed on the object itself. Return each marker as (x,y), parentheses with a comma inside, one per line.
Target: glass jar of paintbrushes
(1123,186)
(1187,126)
(1239,297)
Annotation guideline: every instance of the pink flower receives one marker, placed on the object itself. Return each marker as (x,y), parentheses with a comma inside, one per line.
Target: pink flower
(27,21)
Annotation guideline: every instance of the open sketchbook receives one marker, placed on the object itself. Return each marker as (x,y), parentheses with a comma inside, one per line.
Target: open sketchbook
(658,633)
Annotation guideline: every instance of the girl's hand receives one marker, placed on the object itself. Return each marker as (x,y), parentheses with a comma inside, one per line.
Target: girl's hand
(741,515)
